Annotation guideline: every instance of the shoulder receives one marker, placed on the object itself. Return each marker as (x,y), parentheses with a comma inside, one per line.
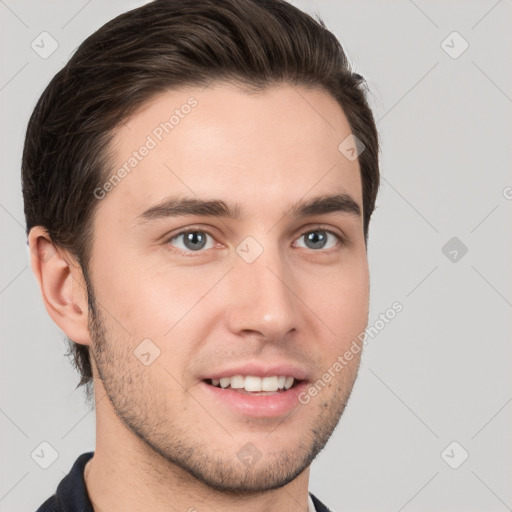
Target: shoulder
(319,506)
(50,505)
(71,494)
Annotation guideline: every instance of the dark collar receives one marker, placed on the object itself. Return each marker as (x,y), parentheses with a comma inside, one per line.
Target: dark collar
(71,495)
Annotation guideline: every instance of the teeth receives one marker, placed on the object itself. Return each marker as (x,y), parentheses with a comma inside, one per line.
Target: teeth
(269,384)
(237,382)
(288,382)
(254,384)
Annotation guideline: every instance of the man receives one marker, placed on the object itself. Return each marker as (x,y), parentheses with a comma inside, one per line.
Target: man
(198,184)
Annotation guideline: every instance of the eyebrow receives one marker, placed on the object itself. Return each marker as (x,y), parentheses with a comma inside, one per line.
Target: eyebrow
(176,206)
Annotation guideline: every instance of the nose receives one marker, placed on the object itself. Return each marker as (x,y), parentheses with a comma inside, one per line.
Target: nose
(263,301)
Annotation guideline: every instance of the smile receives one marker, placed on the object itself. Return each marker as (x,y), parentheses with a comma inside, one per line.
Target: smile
(254,384)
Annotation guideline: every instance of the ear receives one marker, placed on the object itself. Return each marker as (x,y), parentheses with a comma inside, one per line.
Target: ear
(62,285)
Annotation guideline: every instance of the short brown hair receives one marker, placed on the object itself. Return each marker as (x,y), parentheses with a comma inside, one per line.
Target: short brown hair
(161,46)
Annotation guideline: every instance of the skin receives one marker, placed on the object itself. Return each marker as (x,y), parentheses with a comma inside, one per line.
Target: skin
(160,444)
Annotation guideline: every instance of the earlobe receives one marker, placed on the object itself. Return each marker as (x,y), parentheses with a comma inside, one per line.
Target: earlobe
(61,284)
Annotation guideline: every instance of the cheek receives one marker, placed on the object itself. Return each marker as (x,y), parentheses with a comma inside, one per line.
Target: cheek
(343,303)
(148,301)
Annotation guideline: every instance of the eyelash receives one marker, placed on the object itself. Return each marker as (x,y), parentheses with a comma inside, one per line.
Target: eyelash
(194,229)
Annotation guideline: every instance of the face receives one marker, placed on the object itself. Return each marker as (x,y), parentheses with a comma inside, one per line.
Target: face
(232,246)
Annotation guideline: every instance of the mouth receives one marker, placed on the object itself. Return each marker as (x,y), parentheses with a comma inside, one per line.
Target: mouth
(257,397)
(256,386)
(253,385)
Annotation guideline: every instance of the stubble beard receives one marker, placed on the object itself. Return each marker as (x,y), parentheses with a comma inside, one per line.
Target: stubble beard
(169,443)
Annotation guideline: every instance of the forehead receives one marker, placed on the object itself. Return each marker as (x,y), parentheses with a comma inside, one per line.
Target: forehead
(219,141)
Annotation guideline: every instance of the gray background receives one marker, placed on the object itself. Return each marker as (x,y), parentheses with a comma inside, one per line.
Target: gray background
(440,371)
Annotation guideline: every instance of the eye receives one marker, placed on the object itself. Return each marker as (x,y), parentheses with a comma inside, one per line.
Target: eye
(193,240)
(320,239)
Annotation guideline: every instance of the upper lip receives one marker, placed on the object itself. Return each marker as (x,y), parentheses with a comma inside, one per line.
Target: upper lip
(260,370)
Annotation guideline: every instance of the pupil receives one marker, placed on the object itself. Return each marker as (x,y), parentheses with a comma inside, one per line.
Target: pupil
(317,239)
(195,240)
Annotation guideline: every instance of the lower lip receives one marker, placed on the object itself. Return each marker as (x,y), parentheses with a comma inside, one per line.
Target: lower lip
(257,406)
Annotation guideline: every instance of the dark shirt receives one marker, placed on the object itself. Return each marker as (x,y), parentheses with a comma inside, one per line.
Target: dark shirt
(71,494)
